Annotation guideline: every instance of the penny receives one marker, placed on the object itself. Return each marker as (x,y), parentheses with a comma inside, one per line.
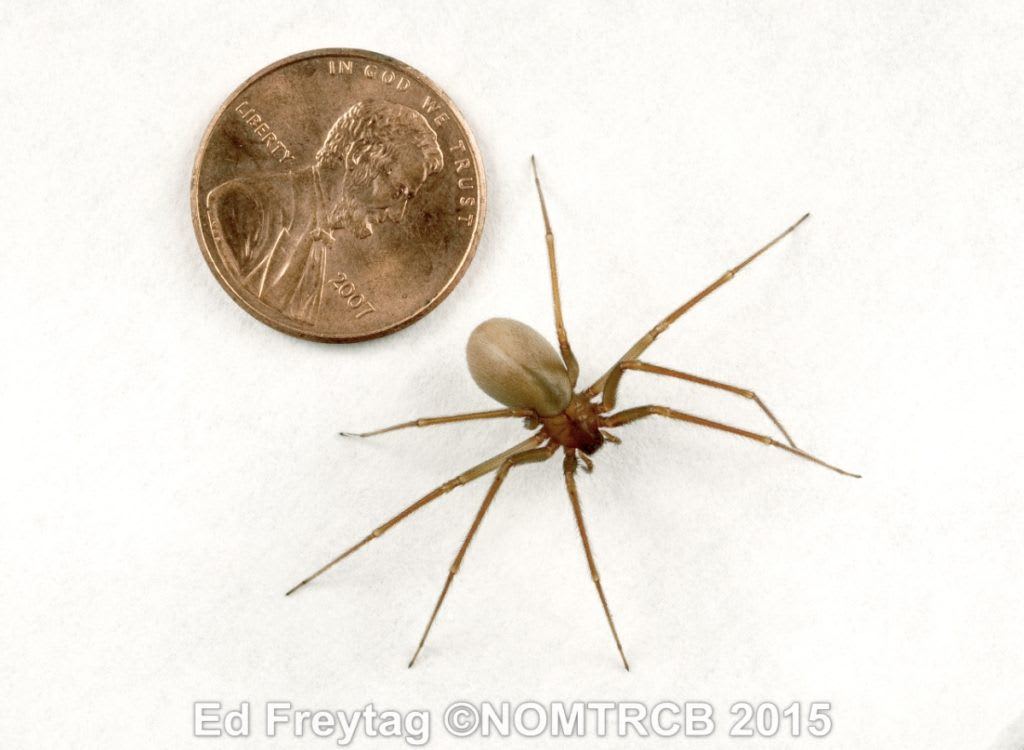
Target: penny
(338,195)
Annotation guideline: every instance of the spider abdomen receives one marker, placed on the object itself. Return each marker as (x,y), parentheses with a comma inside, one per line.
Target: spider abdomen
(516,366)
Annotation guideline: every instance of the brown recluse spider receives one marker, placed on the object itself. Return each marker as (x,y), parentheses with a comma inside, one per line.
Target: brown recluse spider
(516,366)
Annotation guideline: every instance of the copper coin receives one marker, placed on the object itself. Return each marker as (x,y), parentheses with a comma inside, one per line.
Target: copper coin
(338,195)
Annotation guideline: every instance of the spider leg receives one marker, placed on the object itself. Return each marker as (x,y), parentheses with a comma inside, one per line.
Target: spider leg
(467,476)
(430,421)
(640,346)
(529,456)
(569,469)
(612,384)
(631,415)
(563,339)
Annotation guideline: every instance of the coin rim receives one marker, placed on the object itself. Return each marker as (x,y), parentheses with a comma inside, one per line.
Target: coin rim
(284,327)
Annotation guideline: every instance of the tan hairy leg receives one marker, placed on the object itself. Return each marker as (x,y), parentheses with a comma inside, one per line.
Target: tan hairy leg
(431,421)
(467,476)
(631,415)
(563,339)
(569,469)
(611,387)
(530,456)
(638,348)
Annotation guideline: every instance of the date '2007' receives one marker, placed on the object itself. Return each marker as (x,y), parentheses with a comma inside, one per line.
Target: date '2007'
(346,289)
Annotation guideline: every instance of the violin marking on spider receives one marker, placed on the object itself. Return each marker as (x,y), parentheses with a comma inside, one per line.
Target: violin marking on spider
(516,366)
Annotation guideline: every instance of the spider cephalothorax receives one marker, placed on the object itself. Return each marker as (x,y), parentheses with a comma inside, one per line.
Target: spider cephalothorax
(578,427)
(517,367)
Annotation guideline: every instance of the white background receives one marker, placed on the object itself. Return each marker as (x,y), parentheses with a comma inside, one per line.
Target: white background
(171,466)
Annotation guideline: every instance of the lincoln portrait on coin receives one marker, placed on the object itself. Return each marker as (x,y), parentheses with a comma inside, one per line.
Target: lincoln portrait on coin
(276,227)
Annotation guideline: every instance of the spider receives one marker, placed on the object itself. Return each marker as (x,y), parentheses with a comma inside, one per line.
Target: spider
(517,367)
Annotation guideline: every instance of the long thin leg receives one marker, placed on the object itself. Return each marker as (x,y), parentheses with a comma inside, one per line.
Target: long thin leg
(563,339)
(569,469)
(612,384)
(531,456)
(631,415)
(638,348)
(430,421)
(467,476)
